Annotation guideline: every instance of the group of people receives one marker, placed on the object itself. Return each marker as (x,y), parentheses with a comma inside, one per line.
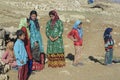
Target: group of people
(27,53)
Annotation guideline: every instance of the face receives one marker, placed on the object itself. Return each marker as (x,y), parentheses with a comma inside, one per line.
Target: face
(52,17)
(22,37)
(80,26)
(33,16)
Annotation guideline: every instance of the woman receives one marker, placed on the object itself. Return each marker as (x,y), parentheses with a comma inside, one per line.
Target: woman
(109,43)
(24,26)
(36,39)
(55,49)
(76,35)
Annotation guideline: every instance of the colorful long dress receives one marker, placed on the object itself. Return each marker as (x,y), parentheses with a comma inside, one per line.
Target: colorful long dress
(55,49)
(35,36)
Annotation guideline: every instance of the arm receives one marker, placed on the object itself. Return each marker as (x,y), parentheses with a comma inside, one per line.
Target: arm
(71,34)
(33,32)
(61,29)
(47,29)
(4,57)
(16,52)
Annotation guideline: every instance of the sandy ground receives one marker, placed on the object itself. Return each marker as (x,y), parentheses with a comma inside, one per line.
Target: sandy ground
(94,23)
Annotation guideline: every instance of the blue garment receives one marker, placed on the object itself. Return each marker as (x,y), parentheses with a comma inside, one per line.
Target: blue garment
(90,1)
(35,36)
(80,30)
(20,52)
(30,62)
(108,57)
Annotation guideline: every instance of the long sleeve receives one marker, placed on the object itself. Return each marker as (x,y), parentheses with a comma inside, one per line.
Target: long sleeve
(4,57)
(16,52)
(33,32)
(47,29)
(70,34)
(61,29)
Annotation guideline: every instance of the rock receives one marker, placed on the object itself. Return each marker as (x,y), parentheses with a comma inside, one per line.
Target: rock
(76,17)
(88,20)
(3,77)
(119,44)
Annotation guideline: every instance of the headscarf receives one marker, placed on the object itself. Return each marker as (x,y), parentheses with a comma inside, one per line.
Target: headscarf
(53,12)
(80,30)
(107,34)
(23,23)
(36,20)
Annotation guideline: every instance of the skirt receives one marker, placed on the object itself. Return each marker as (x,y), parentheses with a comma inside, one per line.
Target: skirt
(56,60)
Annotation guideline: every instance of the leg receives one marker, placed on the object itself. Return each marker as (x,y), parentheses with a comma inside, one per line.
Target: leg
(110,56)
(77,54)
(25,71)
(20,73)
(106,58)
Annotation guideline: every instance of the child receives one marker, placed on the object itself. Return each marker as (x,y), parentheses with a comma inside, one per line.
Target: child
(109,43)
(24,26)
(8,56)
(76,36)
(21,56)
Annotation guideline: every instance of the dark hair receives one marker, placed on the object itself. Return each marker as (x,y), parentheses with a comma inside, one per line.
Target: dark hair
(19,33)
(51,13)
(28,20)
(35,21)
(33,12)
(80,23)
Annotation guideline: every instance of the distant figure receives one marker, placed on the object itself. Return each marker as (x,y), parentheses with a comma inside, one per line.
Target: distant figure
(21,56)
(55,49)
(109,43)
(90,1)
(76,36)
(8,57)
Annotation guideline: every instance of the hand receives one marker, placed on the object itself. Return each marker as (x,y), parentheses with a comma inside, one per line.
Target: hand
(75,40)
(36,44)
(22,62)
(56,38)
(52,39)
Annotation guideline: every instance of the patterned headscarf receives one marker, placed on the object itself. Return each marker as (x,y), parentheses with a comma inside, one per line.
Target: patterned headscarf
(53,12)
(80,30)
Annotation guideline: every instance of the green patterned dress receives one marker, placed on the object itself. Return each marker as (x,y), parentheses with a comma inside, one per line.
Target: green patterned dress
(55,49)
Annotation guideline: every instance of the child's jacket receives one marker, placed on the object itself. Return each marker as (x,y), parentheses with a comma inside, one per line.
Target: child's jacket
(20,52)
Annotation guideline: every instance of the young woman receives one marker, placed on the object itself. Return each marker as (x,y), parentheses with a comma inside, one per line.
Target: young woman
(36,39)
(55,49)
(109,43)
(76,35)
(8,57)
(21,56)
(24,26)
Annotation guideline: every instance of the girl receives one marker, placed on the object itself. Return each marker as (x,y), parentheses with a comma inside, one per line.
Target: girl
(24,26)
(76,36)
(36,39)
(109,43)
(21,56)
(55,49)
(8,56)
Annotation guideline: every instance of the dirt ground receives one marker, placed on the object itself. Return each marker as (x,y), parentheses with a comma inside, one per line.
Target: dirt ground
(94,23)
